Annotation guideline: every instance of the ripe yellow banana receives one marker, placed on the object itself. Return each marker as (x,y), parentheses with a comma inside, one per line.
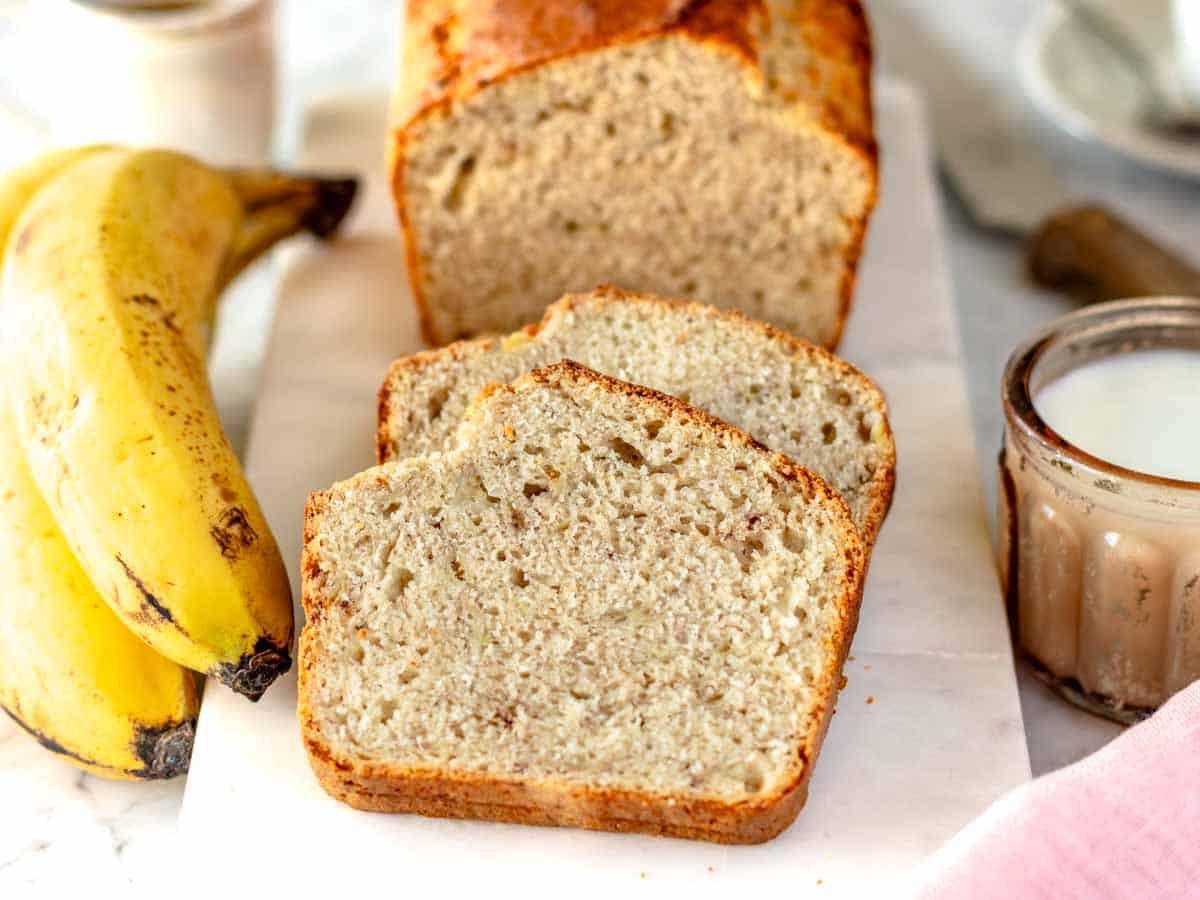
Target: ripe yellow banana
(109,281)
(70,672)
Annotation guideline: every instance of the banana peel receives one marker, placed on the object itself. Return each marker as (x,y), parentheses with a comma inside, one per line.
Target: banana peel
(110,279)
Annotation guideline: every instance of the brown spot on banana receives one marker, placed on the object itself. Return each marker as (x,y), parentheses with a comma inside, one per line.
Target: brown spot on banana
(21,244)
(168,319)
(50,417)
(233,532)
(148,598)
(228,494)
(254,672)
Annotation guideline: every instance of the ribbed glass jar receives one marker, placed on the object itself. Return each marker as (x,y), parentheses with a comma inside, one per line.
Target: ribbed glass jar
(1101,564)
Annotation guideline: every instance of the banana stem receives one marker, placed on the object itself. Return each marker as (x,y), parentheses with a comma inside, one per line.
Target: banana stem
(278,205)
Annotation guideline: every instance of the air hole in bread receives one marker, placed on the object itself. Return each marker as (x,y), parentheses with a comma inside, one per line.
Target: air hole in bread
(453,199)
(532,489)
(794,541)
(753,780)
(457,569)
(666,126)
(386,709)
(628,453)
(491,498)
(519,579)
(652,428)
(437,402)
(829,432)
(403,580)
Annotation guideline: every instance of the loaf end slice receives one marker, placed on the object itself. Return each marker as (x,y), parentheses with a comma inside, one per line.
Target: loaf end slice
(600,608)
(720,150)
(793,396)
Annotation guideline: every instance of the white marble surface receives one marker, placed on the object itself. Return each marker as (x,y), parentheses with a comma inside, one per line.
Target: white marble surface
(931,656)
(57,822)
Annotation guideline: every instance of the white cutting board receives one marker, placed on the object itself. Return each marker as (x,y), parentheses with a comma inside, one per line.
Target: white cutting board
(927,732)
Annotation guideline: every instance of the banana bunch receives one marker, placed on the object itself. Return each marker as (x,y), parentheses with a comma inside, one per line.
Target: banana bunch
(132,549)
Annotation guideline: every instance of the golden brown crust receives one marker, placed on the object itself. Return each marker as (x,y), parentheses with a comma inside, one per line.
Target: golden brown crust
(884,488)
(456,49)
(381,786)
(838,33)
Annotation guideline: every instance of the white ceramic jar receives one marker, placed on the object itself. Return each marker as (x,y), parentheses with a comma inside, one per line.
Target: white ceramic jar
(199,78)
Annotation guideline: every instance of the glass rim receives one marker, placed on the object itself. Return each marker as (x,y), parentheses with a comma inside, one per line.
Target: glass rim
(1018,398)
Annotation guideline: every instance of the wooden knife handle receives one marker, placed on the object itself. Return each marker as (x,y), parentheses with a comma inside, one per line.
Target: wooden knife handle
(1092,254)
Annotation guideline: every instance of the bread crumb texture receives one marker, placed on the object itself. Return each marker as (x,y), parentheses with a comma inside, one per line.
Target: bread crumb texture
(722,152)
(792,396)
(596,586)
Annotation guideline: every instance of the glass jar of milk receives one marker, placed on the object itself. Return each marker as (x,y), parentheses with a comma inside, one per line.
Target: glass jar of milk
(1099,516)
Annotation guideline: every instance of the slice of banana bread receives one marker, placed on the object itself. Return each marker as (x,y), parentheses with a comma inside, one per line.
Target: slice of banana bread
(721,150)
(792,396)
(602,608)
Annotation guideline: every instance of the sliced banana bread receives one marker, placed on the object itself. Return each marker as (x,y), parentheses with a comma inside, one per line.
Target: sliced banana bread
(792,396)
(721,150)
(602,608)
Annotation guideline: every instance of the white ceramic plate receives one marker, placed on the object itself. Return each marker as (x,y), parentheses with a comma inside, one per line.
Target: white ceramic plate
(1082,87)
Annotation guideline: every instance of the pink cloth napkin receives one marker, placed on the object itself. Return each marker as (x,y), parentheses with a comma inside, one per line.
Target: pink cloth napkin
(1122,823)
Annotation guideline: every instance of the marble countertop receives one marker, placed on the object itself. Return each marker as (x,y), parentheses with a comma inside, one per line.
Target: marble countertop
(61,826)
